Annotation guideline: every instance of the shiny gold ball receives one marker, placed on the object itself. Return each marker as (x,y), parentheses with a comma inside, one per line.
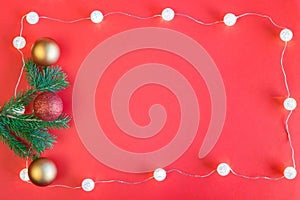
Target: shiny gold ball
(45,52)
(42,171)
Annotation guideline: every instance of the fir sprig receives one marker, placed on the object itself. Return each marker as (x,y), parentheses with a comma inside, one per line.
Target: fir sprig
(19,148)
(27,135)
(50,79)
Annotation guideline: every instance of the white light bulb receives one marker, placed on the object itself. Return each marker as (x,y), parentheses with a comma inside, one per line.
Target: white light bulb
(290,173)
(168,14)
(229,19)
(24,175)
(32,18)
(96,16)
(286,35)
(223,169)
(19,111)
(19,42)
(160,174)
(290,104)
(88,184)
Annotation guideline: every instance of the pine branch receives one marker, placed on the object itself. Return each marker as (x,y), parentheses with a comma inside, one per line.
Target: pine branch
(28,135)
(23,98)
(24,122)
(50,79)
(14,144)
(39,140)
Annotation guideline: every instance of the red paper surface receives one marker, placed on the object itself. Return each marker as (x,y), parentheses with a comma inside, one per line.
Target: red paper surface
(253,141)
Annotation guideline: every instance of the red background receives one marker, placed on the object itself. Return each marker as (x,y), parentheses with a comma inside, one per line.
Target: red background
(253,140)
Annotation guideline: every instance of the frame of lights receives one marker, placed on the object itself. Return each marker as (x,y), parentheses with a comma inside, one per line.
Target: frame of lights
(168,14)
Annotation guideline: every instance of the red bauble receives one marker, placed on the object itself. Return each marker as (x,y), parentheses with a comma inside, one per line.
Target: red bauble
(48,106)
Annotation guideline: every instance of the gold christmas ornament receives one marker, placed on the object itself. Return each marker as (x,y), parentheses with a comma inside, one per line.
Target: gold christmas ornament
(45,52)
(42,171)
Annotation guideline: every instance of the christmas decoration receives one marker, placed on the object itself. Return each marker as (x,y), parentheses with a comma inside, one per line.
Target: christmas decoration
(42,171)
(223,169)
(48,106)
(26,134)
(45,52)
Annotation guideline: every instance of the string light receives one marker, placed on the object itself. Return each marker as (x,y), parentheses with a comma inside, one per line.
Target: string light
(223,169)
(24,175)
(96,16)
(286,35)
(32,18)
(229,19)
(290,103)
(19,42)
(19,111)
(168,14)
(290,173)
(160,174)
(88,185)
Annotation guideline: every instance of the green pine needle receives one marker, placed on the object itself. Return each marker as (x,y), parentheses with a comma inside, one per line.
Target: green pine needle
(27,135)
(14,144)
(50,79)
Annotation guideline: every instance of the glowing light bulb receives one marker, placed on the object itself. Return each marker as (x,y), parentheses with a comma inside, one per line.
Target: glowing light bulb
(19,42)
(32,18)
(290,104)
(168,14)
(290,173)
(160,174)
(24,175)
(88,184)
(96,16)
(286,35)
(223,169)
(229,19)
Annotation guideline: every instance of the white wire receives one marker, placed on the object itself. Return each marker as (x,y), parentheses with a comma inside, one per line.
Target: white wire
(256,177)
(64,186)
(261,15)
(290,138)
(21,72)
(125,182)
(283,70)
(130,15)
(65,21)
(191,175)
(22,24)
(198,21)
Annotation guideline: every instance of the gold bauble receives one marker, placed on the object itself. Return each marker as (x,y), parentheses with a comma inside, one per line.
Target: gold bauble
(42,171)
(45,52)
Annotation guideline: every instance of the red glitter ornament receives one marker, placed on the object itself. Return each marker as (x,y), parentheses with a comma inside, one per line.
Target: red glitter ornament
(48,106)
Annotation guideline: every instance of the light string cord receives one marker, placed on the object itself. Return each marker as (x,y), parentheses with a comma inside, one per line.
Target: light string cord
(130,15)
(191,175)
(286,123)
(125,182)
(263,16)
(290,138)
(255,177)
(22,57)
(65,21)
(138,182)
(283,70)
(199,22)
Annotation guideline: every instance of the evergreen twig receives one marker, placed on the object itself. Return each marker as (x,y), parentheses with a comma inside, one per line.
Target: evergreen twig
(27,135)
